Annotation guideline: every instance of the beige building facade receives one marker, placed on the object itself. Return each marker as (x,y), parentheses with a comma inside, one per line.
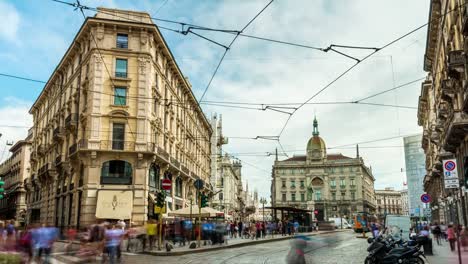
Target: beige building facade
(14,171)
(389,201)
(116,116)
(332,184)
(443,106)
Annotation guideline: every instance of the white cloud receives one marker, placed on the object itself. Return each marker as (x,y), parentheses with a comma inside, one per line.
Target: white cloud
(10,21)
(14,112)
(257,71)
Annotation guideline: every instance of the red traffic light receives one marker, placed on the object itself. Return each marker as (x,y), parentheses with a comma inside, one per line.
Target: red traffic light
(315,212)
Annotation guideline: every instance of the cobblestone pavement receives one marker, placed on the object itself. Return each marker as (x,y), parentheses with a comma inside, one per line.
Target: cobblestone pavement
(342,247)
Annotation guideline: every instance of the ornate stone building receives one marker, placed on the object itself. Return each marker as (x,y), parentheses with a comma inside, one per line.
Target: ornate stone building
(404,202)
(388,202)
(116,116)
(332,184)
(226,175)
(443,106)
(13,172)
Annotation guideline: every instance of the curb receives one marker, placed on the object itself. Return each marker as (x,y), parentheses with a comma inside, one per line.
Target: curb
(254,242)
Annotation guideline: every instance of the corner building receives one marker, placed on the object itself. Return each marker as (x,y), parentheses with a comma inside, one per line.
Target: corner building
(13,171)
(443,108)
(332,184)
(116,116)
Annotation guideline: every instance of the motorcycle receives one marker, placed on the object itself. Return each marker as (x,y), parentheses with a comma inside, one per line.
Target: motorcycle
(388,251)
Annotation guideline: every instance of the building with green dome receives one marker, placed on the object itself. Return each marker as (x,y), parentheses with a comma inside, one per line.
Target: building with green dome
(331,185)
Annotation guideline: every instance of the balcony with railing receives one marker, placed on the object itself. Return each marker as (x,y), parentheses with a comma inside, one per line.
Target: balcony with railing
(455,131)
(58,134)
(111,145)
(175,162)
(71,121)
(58,160)
(465,20)
(456,63)
(163,153)
(73,149)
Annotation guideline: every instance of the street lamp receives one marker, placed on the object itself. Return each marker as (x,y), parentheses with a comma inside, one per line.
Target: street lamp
(263,201)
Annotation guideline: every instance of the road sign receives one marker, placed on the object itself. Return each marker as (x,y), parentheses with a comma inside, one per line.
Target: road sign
(450,165)
(166,184)
(450,174)
(199,184)
(427,211)
(425,198)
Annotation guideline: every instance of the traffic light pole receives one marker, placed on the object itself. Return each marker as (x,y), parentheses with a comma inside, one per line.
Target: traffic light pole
(199,220)
(160,221)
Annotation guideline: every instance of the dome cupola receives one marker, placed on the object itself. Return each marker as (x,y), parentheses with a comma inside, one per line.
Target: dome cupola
(316,148)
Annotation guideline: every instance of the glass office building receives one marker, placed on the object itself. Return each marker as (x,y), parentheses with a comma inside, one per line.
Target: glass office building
(415,171)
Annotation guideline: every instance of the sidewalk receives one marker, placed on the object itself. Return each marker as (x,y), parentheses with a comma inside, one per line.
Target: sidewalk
(442,254)
(232,243)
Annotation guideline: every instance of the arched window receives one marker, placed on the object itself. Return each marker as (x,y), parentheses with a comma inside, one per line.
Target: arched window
(116,172)
(154,176)
(178,187)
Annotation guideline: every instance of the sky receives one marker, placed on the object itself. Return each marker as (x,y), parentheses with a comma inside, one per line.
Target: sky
(34,35)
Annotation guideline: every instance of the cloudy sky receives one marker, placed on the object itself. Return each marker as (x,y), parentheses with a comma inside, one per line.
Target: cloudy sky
(35,34)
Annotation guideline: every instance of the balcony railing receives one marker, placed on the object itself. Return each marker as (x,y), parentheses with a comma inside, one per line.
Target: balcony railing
(71,121)
(185,169)
(163,153)
(456,63)
(43,169)
(72,149)
(58,160)
(333,186)
(58,133)
(175,162)
(455,131)
(465,20)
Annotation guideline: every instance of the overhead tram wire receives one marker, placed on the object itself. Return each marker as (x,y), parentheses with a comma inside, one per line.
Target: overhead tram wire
(229,47)
(236,105)
(361,60)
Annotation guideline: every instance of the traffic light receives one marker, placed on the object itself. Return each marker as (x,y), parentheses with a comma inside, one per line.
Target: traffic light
(2,190)
(204,200)
(161,199)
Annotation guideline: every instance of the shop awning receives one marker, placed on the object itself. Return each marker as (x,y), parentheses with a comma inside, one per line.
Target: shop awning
(185,212)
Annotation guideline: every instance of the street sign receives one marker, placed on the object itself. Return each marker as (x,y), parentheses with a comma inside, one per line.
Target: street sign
(199,184)
(426,198)
(166,184)
(450,174)
(427,211)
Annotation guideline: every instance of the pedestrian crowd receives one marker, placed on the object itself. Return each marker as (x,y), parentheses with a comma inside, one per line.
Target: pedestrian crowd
(106,239)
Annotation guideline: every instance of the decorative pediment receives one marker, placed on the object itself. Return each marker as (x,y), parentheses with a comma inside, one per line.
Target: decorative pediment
(119,113)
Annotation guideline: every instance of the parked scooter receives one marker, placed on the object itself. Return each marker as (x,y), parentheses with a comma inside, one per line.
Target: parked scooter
(388,251)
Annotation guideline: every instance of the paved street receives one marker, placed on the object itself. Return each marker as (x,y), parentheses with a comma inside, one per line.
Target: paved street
(341,247)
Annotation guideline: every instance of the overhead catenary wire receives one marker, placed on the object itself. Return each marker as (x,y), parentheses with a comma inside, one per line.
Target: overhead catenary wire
(228,48)
(360,61)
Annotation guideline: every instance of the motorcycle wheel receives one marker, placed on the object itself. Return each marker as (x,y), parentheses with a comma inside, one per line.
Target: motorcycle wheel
(368,260)
(416,260)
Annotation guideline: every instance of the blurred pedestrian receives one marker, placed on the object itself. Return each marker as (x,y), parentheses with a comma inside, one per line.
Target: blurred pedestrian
(464,238)
(437,233)
(451,237)
(25,244)
(296,253)
(71,236)
(151,230)
(239,228)
(113,237)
